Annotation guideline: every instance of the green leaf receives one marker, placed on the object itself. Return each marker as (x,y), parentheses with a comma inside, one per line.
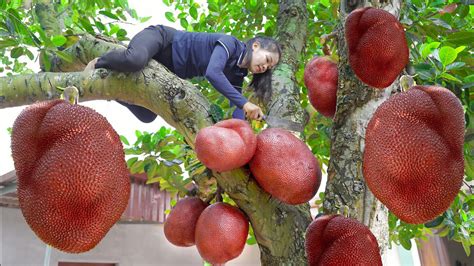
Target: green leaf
(45,60)
(169,16)
(124,140)
(469,79)
(121,33)
(447,55)
(109,14)
(435,222)
(184,23)
(58,40)
(449,77)
(145,19)
(193,12)
(460,49)
(461,37)
(466,244)
(16,52)
(65,56)
(427,48)
(7,43)
(405,242)
(86,25)
(167,155)
(131,161)
(455,65)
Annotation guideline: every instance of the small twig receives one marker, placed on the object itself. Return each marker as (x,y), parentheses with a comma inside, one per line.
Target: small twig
(219,194)
(468,186)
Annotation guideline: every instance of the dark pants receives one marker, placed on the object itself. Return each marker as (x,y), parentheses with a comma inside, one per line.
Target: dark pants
(154,42)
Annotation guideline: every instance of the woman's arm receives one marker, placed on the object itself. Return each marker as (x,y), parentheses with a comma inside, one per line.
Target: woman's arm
(215,75)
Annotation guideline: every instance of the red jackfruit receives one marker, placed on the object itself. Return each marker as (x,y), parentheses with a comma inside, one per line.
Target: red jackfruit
(227,145)
(180,225)
(73,181)
(378,49)
(320,77)
(337,240)
(285,167)
(413,158)
(221,233)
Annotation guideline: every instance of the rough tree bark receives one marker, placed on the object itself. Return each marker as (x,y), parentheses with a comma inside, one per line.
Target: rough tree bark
(279,228)
(346,191)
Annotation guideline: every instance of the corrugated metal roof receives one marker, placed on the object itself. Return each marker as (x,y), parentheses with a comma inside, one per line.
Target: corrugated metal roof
(147,203)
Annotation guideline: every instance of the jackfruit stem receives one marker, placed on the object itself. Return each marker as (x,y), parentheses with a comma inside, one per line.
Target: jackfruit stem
(71,94)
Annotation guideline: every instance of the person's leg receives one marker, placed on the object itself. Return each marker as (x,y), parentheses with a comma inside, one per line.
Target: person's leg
(141,49)
(142,113)
(143,46)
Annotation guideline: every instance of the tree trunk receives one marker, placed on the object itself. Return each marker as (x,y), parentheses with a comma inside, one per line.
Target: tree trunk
(346,191)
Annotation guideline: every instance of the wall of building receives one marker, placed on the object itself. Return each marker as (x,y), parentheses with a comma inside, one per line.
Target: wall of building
(125,244)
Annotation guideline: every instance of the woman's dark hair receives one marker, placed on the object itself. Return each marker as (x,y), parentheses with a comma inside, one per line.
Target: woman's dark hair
(262,83)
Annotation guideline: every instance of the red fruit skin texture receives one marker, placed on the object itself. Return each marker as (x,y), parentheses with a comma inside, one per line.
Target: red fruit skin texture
(320,77)
(180,225)
(221,233)
(227,145)
(378,49)
(413,160)
(337,240)
(285,167)
(73,182)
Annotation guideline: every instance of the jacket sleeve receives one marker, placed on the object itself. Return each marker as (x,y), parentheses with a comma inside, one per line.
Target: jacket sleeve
(215,75)
(238,112)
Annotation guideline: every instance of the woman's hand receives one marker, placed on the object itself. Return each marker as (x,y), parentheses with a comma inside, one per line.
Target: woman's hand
(252,111)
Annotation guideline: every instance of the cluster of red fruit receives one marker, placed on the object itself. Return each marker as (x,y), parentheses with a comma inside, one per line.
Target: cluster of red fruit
(280,162)
(413,158)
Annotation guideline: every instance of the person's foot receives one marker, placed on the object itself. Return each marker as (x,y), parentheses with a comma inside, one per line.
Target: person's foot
(91,65)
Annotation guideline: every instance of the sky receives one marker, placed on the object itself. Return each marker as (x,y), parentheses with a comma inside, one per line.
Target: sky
(123,121)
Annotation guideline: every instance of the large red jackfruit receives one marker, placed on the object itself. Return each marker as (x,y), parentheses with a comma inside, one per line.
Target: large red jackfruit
(180,225)
(73,183)
(221,233)
(413,158)
(320,77)
(227,145)
(337,240)
(285,167)
(378,49)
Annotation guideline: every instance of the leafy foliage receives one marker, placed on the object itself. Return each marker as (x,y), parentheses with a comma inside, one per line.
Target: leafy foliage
(21,35)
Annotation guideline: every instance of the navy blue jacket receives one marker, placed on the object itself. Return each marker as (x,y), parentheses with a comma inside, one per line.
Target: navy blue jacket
(214,56)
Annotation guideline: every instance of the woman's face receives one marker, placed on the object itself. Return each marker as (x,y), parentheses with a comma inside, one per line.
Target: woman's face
(262,60)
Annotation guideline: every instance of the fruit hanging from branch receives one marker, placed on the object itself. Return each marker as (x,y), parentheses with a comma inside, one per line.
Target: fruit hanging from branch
(73,182)
(226,145)
(413,160)
(377,46)
(337,240)
(320,77)
(285,167)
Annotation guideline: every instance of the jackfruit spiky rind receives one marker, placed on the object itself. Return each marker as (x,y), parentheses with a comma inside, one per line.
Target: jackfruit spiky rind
(73,183)
(337,240)
(227,145)
(413,159)
(377,46)
(320,77)
(180,225)
(285,167)
(221,233)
